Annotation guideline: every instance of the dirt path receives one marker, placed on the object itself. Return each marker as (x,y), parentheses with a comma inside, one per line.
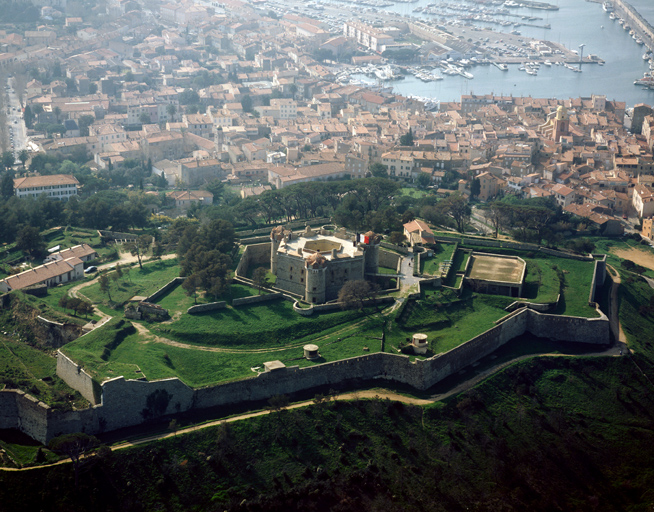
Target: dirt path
(125,258)
(638,256)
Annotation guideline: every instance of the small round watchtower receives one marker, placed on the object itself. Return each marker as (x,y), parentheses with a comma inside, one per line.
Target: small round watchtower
(369,243)
(419,343)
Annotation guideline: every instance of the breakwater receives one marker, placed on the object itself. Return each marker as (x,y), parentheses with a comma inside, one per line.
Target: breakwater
(637,22)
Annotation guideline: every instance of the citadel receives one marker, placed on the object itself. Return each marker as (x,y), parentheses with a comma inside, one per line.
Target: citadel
(316,266)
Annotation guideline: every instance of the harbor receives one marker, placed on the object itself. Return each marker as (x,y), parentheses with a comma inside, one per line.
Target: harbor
(462,52)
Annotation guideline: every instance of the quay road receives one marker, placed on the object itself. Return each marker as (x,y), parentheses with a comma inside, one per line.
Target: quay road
(16,129)
(640,25)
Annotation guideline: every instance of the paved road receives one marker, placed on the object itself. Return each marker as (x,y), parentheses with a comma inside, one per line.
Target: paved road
(16,125)
(407,279)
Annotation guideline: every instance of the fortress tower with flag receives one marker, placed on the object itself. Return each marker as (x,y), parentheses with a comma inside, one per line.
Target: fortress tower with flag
(315,266)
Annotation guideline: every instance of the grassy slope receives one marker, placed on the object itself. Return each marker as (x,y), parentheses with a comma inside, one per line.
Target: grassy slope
(269,325)
(114,350)
(27,366)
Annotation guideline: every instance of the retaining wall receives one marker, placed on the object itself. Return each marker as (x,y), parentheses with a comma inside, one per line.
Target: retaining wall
(393,247)
(336,306)
(203,308)
(512,245)
(599,275)
(290,225)
(389,259)
(115,235)
(253,299)
(165,289)
(258,253)
(57,334)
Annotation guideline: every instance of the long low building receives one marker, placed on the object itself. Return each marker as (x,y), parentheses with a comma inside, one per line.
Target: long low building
(83,251)
(56,186)
(50,274)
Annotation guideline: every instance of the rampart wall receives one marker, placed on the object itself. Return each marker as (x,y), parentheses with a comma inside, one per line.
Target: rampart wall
(165,289)
(290,225)
(253,254)
(511,245)
(203,308)
(131,402)
(115,235)
(599,276)
(57,334)
(389,259)
(254,299)
(75,376)
(335,306)
(393,247)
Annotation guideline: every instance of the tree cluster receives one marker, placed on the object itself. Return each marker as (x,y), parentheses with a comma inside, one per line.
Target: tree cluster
(77,305)
(528,220)
(204,251)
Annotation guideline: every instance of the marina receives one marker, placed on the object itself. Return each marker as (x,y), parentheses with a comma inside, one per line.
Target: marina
(523,50)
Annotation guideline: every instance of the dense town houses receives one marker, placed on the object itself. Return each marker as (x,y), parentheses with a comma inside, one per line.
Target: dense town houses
(251,99)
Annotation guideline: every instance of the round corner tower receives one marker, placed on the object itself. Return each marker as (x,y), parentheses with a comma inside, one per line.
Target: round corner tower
(370,247)
(316,284)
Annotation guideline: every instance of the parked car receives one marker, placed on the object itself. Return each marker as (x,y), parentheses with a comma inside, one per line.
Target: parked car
(91,269)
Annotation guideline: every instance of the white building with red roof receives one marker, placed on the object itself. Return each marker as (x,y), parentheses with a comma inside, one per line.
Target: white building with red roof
(50,274)
(57,186)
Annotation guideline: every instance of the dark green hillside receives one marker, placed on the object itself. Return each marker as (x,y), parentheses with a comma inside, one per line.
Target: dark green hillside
(549,433)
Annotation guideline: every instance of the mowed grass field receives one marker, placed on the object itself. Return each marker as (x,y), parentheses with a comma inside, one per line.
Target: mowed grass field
(177,300)
(117,349)
(430,266)
(258,326)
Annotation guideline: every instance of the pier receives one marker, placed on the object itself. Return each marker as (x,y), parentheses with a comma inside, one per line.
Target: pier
(633,18)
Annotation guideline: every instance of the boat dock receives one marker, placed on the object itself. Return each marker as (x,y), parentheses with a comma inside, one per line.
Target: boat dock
(640,25)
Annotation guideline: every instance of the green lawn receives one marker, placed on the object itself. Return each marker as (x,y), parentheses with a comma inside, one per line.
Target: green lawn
(256,326)
(177,299)
(578,276)
(141,282)
(430,266)
(541,281)
(414,192)
(50,304)
(449,321)
(116,349)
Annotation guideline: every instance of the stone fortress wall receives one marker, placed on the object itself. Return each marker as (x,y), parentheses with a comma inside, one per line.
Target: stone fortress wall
(122,403)
(127,403)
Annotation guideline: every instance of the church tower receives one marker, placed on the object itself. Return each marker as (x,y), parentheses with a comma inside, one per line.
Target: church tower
(561,123)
